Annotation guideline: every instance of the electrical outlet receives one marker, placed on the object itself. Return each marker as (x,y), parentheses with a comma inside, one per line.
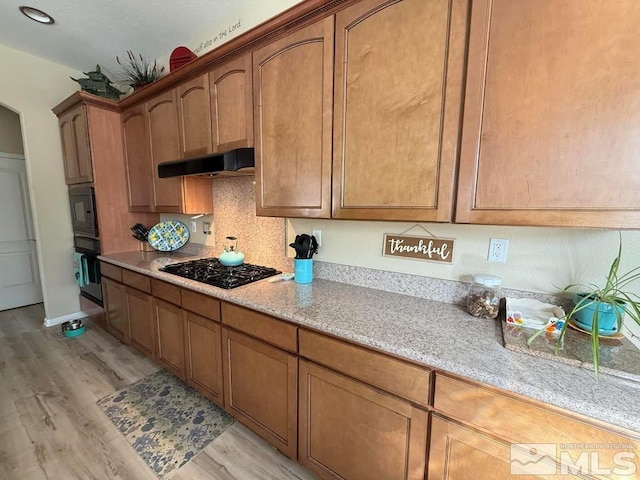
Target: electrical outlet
(318,235)
(498,250)
(194,226)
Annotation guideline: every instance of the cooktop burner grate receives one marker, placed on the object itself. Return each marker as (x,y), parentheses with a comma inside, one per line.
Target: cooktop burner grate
(212,272)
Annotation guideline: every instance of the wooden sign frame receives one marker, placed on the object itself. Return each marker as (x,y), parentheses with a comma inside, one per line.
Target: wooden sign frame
(412,247)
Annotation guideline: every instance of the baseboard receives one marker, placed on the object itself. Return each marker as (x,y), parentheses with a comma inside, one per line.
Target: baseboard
(50,322)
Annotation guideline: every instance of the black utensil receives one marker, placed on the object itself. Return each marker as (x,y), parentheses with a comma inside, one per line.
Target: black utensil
(306,246)
(298,248)
(314,246)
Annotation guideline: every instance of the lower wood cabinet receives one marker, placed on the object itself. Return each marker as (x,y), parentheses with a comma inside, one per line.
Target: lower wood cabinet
(458,452)
(349,430)
(203,348)
(113,294)
(169,332)
(515,420)
(140,314)
(260,388)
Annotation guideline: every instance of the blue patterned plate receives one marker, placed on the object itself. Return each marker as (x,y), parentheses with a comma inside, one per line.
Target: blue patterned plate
(168,235)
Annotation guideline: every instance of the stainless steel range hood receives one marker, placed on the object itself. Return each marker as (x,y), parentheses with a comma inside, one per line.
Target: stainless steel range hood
(235,163)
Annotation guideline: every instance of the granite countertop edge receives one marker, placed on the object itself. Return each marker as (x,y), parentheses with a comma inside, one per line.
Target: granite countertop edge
(438,335)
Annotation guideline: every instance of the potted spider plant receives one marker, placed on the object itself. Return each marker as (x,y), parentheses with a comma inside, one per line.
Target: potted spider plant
(138,71)
(601,310)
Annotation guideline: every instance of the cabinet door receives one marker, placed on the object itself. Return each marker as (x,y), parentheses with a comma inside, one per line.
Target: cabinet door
(170,336)
(113,294)
(232,104)
(194,117)
(137,160)
(141,325)
(76,153)
(162,118)
(398,94)
(458,452)
(204,356)
(68,149)
(550,132)
(349,430)
(293,85)
(80,126)
(260,389)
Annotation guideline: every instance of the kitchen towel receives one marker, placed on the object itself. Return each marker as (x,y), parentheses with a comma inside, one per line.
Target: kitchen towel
(80,269)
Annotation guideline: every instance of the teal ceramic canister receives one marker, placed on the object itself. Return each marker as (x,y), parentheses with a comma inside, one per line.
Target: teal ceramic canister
(303,270)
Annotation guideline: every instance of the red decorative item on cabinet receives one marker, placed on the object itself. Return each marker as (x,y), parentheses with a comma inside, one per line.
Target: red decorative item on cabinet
(179,57)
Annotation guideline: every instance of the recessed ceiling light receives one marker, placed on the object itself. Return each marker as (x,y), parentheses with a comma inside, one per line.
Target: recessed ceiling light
(37,15)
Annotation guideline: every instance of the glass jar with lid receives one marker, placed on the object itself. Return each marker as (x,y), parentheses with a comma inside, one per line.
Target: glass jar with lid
(483,300)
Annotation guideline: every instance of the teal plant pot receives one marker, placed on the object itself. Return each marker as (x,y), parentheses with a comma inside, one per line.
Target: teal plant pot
(607,317)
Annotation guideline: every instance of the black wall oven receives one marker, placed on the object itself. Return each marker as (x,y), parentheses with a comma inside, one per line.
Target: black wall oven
(85,238)
(90,248)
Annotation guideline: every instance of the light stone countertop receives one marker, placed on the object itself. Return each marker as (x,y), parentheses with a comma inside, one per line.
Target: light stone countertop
(439,335)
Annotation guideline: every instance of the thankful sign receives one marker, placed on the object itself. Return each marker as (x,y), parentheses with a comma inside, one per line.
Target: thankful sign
(430,249)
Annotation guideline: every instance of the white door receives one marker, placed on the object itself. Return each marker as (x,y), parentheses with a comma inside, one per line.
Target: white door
(19,275)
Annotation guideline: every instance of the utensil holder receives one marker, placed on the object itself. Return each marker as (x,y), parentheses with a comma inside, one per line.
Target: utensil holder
(145,247)
(303,270)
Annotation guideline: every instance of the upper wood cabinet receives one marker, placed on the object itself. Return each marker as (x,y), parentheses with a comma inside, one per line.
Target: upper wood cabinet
(231,91)
(136,151)
(194,117)
(293,97)
(162,121)
(177,194)
(550,132)
(94,152)
(76,152)
(398,89)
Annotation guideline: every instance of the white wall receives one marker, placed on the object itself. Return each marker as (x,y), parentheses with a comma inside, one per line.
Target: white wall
(10,134)
(222,30)
(32,86)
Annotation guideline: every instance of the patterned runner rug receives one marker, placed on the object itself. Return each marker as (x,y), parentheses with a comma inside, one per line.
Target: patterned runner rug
(164,420)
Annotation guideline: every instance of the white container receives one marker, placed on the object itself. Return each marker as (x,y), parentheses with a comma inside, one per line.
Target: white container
(483,300)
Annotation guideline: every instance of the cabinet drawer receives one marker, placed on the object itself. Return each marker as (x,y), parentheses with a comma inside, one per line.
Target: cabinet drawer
(521,421)
(136,280)
(111,271)
(394,376)
(201,304)
(166,291)
(261,326)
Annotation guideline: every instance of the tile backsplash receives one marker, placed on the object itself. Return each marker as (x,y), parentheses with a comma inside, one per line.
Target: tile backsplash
(261,239)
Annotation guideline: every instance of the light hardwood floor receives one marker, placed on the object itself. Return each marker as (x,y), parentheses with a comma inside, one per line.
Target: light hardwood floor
(51,428)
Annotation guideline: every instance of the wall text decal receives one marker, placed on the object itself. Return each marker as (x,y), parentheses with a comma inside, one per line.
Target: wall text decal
(222,35)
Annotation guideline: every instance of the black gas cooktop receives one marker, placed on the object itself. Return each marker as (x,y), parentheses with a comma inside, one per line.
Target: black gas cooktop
(212,272)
